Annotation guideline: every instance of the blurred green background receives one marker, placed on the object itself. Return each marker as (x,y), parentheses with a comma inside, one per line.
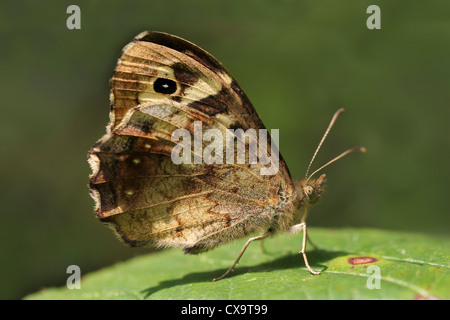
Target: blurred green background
(298,61)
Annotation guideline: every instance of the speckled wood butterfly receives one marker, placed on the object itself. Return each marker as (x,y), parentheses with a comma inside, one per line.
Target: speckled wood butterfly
(163,83)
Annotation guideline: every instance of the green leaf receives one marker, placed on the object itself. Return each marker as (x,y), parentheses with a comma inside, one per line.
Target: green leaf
(411,266)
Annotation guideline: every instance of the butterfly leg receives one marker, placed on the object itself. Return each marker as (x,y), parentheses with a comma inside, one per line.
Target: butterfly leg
(303,251)
(240,255)
(315,246)
(261,245)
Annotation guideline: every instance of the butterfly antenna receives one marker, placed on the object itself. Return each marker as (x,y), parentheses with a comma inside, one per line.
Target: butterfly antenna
(333,120)
(362,149)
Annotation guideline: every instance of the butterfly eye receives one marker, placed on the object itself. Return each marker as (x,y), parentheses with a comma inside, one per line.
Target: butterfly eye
(308,190)
(165,86)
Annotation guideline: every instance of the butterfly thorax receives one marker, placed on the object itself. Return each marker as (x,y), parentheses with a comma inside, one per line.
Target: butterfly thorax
(307,194)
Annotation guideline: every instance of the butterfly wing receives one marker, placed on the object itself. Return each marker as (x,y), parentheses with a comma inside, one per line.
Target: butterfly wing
(140,192)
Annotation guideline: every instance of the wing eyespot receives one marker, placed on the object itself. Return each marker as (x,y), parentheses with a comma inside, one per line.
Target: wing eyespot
(164,86)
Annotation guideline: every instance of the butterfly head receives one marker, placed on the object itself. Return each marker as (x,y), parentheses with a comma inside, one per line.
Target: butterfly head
(310,190)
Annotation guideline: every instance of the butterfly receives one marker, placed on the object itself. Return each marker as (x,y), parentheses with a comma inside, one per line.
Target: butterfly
(161,84)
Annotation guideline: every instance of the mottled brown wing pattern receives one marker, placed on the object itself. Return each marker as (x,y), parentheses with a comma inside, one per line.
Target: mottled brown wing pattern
(203,83)
(145,197)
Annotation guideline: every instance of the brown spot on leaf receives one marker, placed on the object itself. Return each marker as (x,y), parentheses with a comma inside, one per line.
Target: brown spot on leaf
(361,260)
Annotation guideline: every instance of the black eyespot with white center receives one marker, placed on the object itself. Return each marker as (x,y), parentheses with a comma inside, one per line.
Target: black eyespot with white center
(165,86)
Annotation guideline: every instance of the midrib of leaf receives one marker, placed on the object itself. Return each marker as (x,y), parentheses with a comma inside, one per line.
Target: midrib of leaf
(414,261)
(422,292)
